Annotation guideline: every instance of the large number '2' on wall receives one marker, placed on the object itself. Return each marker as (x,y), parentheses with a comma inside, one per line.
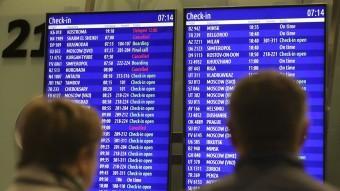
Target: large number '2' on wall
(13,50)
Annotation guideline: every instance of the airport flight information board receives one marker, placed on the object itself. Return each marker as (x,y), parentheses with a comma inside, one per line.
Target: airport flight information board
(223,45)
(121,64)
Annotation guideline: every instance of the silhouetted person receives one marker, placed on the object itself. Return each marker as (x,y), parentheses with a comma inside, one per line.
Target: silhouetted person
(268,126)
(59,142)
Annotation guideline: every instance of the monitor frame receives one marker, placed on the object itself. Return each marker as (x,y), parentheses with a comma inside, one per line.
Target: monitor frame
(173,59)
(325,72)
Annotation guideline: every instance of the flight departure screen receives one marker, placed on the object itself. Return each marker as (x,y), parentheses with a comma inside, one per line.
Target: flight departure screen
(121,64)
(223,45)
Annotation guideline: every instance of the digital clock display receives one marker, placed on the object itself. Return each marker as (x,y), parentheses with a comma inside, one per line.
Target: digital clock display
(316,12)
(165,17)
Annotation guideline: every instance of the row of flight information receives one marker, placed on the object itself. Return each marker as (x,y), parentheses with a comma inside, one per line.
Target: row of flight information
(121,63)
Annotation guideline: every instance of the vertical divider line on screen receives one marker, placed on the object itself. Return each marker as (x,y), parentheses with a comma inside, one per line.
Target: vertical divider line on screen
(174,12)
(45,54)
(326,89)
(185,100)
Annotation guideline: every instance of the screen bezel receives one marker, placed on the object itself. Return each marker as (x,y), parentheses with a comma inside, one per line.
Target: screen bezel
(174,12)
(325,81)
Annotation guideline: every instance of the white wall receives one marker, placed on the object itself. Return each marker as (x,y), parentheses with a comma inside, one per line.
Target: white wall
(333,154)
(20,79)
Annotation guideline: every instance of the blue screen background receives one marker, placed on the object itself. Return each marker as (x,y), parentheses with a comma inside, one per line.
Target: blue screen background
(126,74)
(218,55)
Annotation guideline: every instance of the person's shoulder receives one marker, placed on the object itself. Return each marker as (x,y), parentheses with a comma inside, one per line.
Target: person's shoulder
(328,187)
(314,185)
(35,178)
(294,179)
(26,187)
(276,180)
